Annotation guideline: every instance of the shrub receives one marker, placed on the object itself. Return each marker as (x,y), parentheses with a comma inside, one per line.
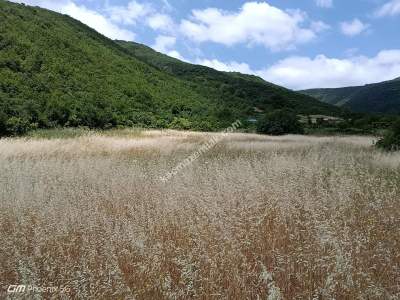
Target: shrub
(279,123)
(3,126)
(18,126)
(204,125)
(391,141)
(180,123)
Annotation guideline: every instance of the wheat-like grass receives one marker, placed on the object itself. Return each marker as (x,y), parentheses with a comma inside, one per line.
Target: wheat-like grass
(290,217)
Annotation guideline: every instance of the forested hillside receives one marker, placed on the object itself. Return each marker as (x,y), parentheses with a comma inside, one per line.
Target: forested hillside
(56,71)
(240,90)
(381,97)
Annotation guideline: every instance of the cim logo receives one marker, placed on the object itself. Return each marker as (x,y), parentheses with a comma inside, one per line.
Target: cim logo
(16,288)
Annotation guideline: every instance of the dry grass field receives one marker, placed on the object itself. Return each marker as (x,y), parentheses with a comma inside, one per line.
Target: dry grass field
(256,217)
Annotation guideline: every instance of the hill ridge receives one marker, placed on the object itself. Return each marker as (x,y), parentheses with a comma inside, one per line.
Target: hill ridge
(56,71)
(382,97)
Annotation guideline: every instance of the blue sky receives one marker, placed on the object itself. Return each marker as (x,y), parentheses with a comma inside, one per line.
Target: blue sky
(295,43)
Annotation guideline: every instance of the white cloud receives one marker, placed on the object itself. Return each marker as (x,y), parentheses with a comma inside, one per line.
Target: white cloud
(128,14)
(353,28)
(97,21)
(390,8)
(93,19)
(255,23)
(232,66)
(303,72)
(165,44)
(322,71)
(112,19)
(177,55)
(324,3)
(319,26)
(161,22)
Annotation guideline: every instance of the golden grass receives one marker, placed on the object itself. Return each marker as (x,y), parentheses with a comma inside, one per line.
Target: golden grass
(257,217)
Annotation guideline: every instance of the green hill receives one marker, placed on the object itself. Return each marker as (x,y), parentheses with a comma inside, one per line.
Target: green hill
(381,97)
(56,71)
(245,92)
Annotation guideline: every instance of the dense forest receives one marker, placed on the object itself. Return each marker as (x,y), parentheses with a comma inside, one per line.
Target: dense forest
(57,72)
(383,97)
(240,90)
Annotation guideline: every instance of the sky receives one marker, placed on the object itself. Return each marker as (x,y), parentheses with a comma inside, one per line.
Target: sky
(299,44)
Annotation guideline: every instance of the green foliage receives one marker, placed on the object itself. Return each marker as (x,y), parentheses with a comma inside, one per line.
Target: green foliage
(236,94)
(56,72)
(18,126)
(354,124)
(12,126)
(383,97)
(279,123)
(180,123)
(203,125)
(3,124)
(391,140)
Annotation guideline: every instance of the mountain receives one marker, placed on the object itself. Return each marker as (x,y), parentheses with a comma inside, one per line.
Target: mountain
(56,71)
(383,97)
(238,90)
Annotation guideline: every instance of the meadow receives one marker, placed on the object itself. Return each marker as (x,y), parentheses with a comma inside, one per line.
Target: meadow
(255,217)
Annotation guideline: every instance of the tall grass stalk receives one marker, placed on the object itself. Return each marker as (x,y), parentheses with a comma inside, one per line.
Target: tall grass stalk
(256,217)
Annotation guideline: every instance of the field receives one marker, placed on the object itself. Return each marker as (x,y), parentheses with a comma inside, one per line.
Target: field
(254,217)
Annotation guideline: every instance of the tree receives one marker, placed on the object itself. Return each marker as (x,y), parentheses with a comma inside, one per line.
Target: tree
(180,123)
(18,126)
(391,141)
(279,123)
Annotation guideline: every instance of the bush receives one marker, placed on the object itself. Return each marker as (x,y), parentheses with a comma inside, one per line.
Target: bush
(391,141)
(3,126)
(203,125)
(279,123)
(180,123)
(18,126)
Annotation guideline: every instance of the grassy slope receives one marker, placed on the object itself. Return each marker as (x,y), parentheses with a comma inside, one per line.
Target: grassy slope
(381,97)
(235,88)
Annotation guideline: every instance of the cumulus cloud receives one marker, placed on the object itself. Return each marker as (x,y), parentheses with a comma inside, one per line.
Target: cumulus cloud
(254,23)
(177,55)
(232,66)
(97,21)
(322,71)
(94,19)
(165,44)
(298,72)
(390,8)
(161,22)
(353,28)
(319,26)
(324,3)
(128,14)
(110,20)
(136,11)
